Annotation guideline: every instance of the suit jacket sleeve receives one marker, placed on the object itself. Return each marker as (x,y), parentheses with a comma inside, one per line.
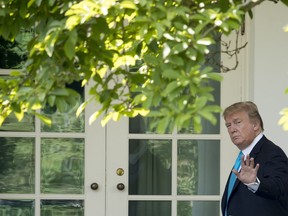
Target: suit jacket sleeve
(273,172)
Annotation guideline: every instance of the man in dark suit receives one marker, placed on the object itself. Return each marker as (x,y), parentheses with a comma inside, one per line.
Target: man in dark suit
(261,182)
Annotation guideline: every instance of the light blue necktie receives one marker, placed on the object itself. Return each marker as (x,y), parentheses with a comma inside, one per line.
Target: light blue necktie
(233,176)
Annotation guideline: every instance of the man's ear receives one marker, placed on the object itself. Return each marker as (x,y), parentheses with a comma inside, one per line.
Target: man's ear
(256,125)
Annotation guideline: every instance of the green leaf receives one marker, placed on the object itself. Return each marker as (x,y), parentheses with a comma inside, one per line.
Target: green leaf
(205,41)
(19,115)
(72,21)
(44,118)
(215,76)
(49,42)
(191,54)
(51,2)
(170,73)
(94,116)
(150,59)
(16,107)
(81,108)
(170,87)
(69,46)
(197,124)
(176,60)
(106,119)
(208,115)
(51,100)
(180,47)
(224,5)
(61,105)
(163,124)
(60,92)
(128,5)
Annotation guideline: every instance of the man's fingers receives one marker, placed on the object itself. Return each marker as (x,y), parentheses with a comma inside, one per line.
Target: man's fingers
(257,167)
(248,161)
(252,162)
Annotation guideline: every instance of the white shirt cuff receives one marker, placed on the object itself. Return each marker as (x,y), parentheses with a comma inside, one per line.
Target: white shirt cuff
(253,186)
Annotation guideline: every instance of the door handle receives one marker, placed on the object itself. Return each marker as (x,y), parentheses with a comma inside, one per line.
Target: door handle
(94,186)
(120,186)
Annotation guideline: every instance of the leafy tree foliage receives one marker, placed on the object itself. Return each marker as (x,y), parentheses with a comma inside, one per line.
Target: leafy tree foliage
(140,57)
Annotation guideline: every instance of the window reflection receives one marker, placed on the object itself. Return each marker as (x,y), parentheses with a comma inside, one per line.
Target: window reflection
(198,208)
(17,170)
(11,123)
(150,208)
(62,165)
(150,167)
(198,166)
(62,207)
(17,207)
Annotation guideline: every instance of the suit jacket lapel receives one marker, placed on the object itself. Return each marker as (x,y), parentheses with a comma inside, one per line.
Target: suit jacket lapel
(257,147)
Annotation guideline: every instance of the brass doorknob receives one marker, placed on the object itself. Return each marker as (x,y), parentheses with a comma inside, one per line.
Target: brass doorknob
(94,186)
(120,186)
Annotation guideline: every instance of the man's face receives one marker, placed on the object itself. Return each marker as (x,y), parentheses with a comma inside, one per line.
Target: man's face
(242,132)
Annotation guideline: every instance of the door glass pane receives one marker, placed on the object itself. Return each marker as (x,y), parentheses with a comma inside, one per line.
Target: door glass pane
(62,207)
(150,167)
(68,121)
(150,208)
(197,208)
(11,123)
(17,207)
(17,169)
(62,165)
(198,167)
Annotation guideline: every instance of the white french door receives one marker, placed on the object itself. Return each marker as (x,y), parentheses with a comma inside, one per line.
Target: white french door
(171,174)
(122,169)
(57,170)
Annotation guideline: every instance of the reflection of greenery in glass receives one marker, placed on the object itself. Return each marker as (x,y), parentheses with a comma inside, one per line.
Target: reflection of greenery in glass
(12,124)
(17,207)
(62,165)
(150,208)
(66,122)
(198,167)
(198,208)
(187,167)
(17,170)
(163,150)
(62,207)
(13,55)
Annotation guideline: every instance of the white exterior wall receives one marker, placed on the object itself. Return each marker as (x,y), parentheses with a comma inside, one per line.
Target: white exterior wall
(268,62)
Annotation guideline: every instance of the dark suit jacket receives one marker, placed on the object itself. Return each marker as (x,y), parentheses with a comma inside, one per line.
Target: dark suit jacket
(271,198)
